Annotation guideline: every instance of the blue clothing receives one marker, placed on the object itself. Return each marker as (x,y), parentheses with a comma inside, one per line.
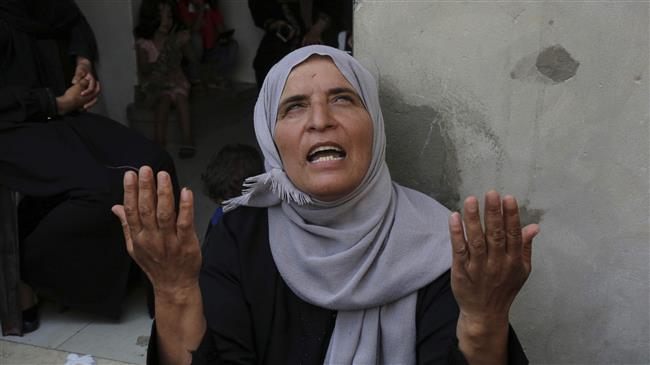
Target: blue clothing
(216,217)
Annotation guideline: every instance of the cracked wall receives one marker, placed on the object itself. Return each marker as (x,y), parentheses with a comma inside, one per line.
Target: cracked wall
(548,102)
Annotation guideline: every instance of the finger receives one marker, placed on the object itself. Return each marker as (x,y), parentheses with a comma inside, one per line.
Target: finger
(460,254)
(131,201)
(474,231)
(185,221)
(90,104)
(78,75)
(512,226)
(147,198)
(165,213)
(494,227)
(90,88)
(528,233)
(118,210)
(83,83)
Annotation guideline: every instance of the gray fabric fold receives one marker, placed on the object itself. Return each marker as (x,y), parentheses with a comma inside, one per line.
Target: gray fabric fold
(364,255)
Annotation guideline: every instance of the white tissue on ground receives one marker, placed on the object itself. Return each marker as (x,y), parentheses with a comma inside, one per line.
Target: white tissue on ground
(74,359)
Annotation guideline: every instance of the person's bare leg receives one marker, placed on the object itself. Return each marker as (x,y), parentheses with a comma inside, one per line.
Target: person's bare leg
(184,116)
(162,115)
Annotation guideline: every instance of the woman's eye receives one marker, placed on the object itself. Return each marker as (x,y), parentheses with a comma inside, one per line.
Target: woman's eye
(292,107)
(342,98)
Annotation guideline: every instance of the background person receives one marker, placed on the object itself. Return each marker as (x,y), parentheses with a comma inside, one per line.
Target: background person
(211,41)
(66,163)
(225,174)
(160,47)
(291,24)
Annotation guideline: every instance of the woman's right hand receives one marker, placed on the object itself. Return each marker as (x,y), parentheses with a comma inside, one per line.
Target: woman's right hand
(74,99)
(163,245)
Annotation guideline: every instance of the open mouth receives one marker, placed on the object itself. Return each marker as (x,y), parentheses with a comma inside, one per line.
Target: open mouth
(323,153)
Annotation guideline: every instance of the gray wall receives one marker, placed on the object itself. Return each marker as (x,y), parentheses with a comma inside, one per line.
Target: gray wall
(237,15)
(547,101)
(112,22)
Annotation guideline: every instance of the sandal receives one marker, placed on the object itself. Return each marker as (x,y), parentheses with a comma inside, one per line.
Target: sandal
(186,151)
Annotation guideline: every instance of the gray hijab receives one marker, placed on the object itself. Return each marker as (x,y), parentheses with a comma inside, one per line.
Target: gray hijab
(364,255)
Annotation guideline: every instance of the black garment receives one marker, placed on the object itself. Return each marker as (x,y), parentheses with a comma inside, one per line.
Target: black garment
(69,168)
(272,48)
(254,318)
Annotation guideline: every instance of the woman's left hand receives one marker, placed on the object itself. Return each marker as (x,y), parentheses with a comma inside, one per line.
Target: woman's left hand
(489,268)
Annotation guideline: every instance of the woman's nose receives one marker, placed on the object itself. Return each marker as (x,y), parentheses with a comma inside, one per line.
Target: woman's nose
(321,118)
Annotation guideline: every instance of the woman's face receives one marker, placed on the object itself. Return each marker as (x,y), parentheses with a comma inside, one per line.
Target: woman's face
(323,131)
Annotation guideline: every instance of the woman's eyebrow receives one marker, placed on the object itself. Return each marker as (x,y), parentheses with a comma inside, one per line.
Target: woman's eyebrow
(341,90)
(293,98)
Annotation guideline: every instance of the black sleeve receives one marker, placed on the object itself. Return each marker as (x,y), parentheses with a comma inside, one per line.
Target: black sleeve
(82,40)
(21,104)
(226,310)
(205,354)
(264,11)
(436,316)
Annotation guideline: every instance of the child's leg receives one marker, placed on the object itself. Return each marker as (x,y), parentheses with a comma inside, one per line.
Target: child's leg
(162,115)
(184,115)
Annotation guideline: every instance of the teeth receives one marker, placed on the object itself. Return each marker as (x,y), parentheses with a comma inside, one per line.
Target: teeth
(325,148)
(327,158)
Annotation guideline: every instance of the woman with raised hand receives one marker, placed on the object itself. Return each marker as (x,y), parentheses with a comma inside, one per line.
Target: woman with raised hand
(324,259)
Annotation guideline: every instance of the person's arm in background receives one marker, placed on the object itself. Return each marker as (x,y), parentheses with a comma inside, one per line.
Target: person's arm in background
(267,15)
(186,47)
(144,66)
(327,13)
(83,49)
(22,104)
(217,19)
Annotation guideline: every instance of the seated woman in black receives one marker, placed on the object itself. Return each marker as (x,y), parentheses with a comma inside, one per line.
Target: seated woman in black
(66,162)
(326,260)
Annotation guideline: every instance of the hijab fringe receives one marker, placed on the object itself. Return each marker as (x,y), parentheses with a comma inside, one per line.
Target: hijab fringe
(274,180)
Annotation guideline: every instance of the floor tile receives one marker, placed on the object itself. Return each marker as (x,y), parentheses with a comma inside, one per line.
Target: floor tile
(124,341)
(20,354)
(55,327)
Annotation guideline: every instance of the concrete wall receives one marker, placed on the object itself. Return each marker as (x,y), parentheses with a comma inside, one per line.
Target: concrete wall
(547,101)
(112,22)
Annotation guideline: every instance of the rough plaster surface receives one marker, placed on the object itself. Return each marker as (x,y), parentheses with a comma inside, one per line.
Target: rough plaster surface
(468,108)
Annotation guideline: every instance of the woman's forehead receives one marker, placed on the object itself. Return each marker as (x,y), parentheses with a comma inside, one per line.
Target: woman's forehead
(316,70)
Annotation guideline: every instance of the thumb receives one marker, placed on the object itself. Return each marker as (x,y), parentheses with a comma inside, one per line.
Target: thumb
(118,210)
(78,75)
